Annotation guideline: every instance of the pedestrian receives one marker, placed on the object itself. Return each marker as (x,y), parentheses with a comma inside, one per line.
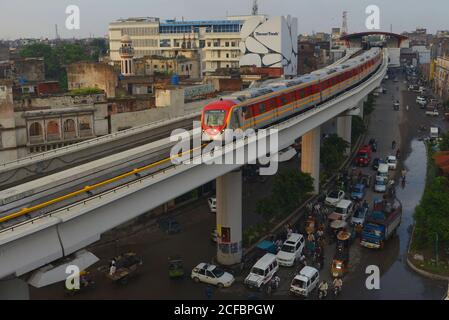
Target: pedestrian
(112,267)
(393,144)
(209,292)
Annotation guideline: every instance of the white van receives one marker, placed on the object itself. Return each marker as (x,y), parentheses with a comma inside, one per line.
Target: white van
(343,210)
(305,282)
(382,171)
(262,271)
(291,250)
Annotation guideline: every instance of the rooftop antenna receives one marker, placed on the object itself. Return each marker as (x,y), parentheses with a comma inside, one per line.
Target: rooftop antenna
(56,32)
(344,26)
(255,9)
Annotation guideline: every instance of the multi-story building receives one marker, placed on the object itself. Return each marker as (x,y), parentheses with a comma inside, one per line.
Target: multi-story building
(441,77)
(217,41)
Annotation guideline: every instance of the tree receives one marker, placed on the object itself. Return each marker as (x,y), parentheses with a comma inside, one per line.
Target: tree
(444,142)
(290,189)
(358,127)
(56,58)
(333,152)
(432,215)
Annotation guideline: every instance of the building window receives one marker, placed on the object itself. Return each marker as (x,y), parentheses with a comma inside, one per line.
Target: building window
(209,44)
(226,44)
(35,129)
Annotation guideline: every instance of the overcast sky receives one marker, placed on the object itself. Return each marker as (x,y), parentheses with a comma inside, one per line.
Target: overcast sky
(37,18)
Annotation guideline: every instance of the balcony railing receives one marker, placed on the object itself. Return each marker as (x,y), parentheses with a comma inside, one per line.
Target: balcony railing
(36,139)
(86,133)
(69,135)
(53,137)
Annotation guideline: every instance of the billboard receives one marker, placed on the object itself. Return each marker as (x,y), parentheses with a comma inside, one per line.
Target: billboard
(270,43)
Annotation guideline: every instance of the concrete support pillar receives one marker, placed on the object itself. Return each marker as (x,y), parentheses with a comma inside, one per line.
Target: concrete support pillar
(361,105)
(229,218)
(310,156)
(344,127)
(14,289)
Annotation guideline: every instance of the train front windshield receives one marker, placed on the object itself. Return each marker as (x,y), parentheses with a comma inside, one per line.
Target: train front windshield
(214,118)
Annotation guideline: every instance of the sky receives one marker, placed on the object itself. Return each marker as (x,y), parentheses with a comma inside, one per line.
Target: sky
(37,18)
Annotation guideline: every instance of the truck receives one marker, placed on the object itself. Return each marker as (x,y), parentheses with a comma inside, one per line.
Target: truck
(363,157)
(382,223)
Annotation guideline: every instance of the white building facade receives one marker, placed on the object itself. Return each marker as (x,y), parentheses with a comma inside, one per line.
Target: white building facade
(218,41)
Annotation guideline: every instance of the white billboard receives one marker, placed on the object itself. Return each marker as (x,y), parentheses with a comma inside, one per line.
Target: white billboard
(271,43)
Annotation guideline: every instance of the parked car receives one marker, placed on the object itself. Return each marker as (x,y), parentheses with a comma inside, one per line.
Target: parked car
(334,196)
(396,105)
(212,202)
(358,191)
(291,250)
(305,282)
(391,162)
(209,273)
(359,216)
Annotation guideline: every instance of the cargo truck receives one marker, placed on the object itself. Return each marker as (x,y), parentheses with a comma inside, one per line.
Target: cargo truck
(382,223)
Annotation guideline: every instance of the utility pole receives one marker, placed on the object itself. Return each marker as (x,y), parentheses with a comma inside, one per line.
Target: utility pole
(344,26)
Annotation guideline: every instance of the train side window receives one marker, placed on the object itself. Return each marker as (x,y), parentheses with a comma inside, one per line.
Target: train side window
(262,108)
(247,112)
(272,103)
(237,114)
(283,100)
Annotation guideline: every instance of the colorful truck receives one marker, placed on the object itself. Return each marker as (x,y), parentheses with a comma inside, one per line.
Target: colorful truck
(382,223)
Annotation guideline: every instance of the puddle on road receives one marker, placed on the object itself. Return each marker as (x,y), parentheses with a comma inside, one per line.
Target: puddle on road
(398,281)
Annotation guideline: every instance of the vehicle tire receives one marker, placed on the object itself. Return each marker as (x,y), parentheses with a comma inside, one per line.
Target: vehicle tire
(220,285)
(196,280)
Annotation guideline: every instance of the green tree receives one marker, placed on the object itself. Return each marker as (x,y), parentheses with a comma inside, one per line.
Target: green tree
(290,189)
(56,58)
(333,152)
(444,143)
(432,215)
(358,127)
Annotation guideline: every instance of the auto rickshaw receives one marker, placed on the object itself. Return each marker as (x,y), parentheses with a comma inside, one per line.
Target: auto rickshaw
(341,257)
(175,267)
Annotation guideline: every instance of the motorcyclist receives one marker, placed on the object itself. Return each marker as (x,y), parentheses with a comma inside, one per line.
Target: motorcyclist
(275,282)
(323,287)
(338,284)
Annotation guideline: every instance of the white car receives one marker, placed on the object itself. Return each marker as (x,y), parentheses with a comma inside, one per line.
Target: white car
(391,162)
(291,250)
(381,184)
(212,202)
(334,197)
(421,101)
(209,273)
